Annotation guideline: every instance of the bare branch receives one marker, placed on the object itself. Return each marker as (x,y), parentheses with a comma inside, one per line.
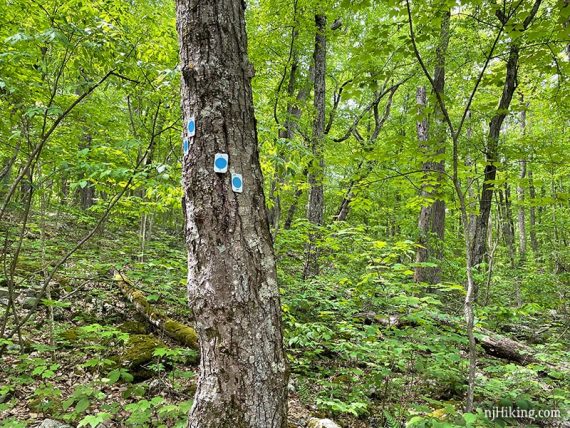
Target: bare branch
(336,101)
(370,106)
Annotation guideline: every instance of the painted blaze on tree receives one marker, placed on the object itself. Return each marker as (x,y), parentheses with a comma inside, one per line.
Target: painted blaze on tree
(232,283)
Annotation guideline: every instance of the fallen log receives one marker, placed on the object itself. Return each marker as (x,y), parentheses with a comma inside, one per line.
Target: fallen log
(503,347)
(492,343)
(497,345)
(181,333)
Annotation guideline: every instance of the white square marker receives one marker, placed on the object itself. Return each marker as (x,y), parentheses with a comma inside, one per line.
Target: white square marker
(186,145)
(221,163)
(237,183)
(191,127)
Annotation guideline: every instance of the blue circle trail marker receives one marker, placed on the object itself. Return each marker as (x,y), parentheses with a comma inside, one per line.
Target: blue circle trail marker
(191,127)
(186,145)
(221,163)
(237,183)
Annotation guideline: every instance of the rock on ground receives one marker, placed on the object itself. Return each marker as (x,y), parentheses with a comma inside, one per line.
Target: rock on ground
(321,423)
(50,423)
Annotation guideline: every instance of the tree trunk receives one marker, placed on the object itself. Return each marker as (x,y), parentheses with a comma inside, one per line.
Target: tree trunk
(566,24)
(520,194)
(521,213)
(316,207)
(492,150)
(286,132)
(532,214)
(422,255)
(7,169)
(479,247)
(470,183)
(506,221)
(86,193)
(431,223)
(344,207)
(232,284)
(292,208)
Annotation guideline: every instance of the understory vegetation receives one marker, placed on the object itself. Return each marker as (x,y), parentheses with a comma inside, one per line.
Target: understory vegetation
(365,342)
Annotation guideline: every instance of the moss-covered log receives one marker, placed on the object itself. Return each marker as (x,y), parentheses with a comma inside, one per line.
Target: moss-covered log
(181,333)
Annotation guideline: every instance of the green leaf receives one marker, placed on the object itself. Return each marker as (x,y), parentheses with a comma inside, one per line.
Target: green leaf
(469,418)
(94,420)
(68,403)
(115,375)
(82,405)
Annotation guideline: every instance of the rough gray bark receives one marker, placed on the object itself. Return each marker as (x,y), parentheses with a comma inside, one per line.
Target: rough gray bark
(232,282)
(431,222)
(316,203)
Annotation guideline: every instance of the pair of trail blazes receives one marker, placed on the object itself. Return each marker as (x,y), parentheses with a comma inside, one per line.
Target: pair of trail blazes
(221,160)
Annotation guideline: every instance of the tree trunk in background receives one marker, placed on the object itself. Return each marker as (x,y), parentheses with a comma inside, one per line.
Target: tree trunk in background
(532,214)
(479,247)
(6,170)
(232,284)
(344,207)
(521,213)
(423,222)
(64,190)
(287,131)
(292,208)
(509,235)
(145,229)
(506,223)
(87,193)
(431,223)
(316,203)
(566,24)
(510,225)
(520,195)
(470,182)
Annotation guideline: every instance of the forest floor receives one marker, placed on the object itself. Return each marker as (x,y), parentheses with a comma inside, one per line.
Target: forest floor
(89,359)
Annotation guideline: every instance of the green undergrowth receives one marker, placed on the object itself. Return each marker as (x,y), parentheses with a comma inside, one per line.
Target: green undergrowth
(349,357)
(363,339)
